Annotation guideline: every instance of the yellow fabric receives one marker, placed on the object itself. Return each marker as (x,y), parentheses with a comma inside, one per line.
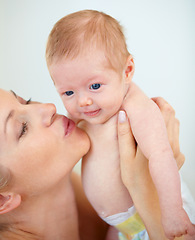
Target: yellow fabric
(131,226)
(122,237)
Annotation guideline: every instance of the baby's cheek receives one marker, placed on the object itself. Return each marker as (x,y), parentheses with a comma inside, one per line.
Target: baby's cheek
(71,110)
(67,106)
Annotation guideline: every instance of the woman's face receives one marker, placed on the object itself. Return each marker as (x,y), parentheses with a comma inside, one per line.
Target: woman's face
(38,146)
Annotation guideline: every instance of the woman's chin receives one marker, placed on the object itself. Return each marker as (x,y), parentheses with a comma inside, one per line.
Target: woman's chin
(83,142)
(86,144)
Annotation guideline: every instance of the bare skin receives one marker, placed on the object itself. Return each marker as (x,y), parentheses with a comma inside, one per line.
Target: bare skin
(135,173)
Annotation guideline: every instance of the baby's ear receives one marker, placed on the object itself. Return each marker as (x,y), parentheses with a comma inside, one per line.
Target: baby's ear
(129,69)
(9,201)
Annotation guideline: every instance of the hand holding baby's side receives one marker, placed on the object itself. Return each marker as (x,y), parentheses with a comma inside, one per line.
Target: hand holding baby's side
(177,223)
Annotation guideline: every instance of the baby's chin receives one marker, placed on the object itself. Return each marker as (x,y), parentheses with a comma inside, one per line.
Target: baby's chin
(103,120)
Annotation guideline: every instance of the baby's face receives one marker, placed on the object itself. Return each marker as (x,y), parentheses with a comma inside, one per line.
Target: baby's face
(89,89)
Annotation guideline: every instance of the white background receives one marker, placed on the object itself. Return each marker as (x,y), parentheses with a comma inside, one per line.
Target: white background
(160,35)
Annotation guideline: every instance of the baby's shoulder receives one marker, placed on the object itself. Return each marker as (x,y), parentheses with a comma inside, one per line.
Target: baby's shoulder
(135,99)
(134,93)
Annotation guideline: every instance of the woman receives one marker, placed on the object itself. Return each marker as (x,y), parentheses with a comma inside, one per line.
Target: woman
(38,151)
(40,198)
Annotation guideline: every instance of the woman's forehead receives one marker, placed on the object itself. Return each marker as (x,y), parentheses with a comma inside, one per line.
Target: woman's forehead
(7,102)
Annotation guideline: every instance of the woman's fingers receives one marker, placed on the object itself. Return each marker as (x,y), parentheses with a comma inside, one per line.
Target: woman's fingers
(180,159)
(172,125)
(164,106)
(127,145)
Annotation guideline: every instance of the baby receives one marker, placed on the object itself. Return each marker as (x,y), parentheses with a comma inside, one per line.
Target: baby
(92,70)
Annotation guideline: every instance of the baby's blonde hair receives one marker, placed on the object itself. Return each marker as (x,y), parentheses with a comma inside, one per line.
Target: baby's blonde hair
(79,32)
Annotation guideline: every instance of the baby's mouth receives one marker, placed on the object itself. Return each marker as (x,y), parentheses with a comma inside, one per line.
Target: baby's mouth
(92,113)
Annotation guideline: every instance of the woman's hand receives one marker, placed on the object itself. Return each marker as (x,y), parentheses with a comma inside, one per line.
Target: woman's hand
(172,125)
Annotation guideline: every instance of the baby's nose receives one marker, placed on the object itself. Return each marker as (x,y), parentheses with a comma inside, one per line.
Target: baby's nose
(85,101)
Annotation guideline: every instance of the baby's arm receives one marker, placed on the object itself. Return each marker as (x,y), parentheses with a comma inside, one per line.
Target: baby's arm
(149,130)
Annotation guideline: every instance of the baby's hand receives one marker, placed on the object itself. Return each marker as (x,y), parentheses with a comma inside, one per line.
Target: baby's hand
(177,224)
(188,237)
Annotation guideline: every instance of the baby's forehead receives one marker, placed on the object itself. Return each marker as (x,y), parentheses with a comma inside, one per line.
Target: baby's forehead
(90,59)
(83,67)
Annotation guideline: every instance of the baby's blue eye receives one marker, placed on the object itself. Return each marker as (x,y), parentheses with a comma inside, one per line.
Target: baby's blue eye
(69,93)
(95,86)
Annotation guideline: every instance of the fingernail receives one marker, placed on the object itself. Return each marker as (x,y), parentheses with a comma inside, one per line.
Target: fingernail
(122,116)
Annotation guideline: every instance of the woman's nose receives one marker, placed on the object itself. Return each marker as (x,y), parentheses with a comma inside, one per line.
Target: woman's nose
(85,101)
(47,111)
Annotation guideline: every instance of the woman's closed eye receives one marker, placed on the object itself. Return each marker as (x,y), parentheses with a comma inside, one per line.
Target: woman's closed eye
(24,125)
(95,86)
(24,129)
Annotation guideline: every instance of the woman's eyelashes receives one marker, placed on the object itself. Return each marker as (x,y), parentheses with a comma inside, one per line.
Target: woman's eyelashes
(95,86)
(24,129)
(24,126)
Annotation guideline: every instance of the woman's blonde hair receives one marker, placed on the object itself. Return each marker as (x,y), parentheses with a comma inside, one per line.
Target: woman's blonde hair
(5,180)
(79,32)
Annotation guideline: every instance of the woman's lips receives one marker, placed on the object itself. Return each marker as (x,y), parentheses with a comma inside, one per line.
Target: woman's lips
(92,113)
(69,125)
